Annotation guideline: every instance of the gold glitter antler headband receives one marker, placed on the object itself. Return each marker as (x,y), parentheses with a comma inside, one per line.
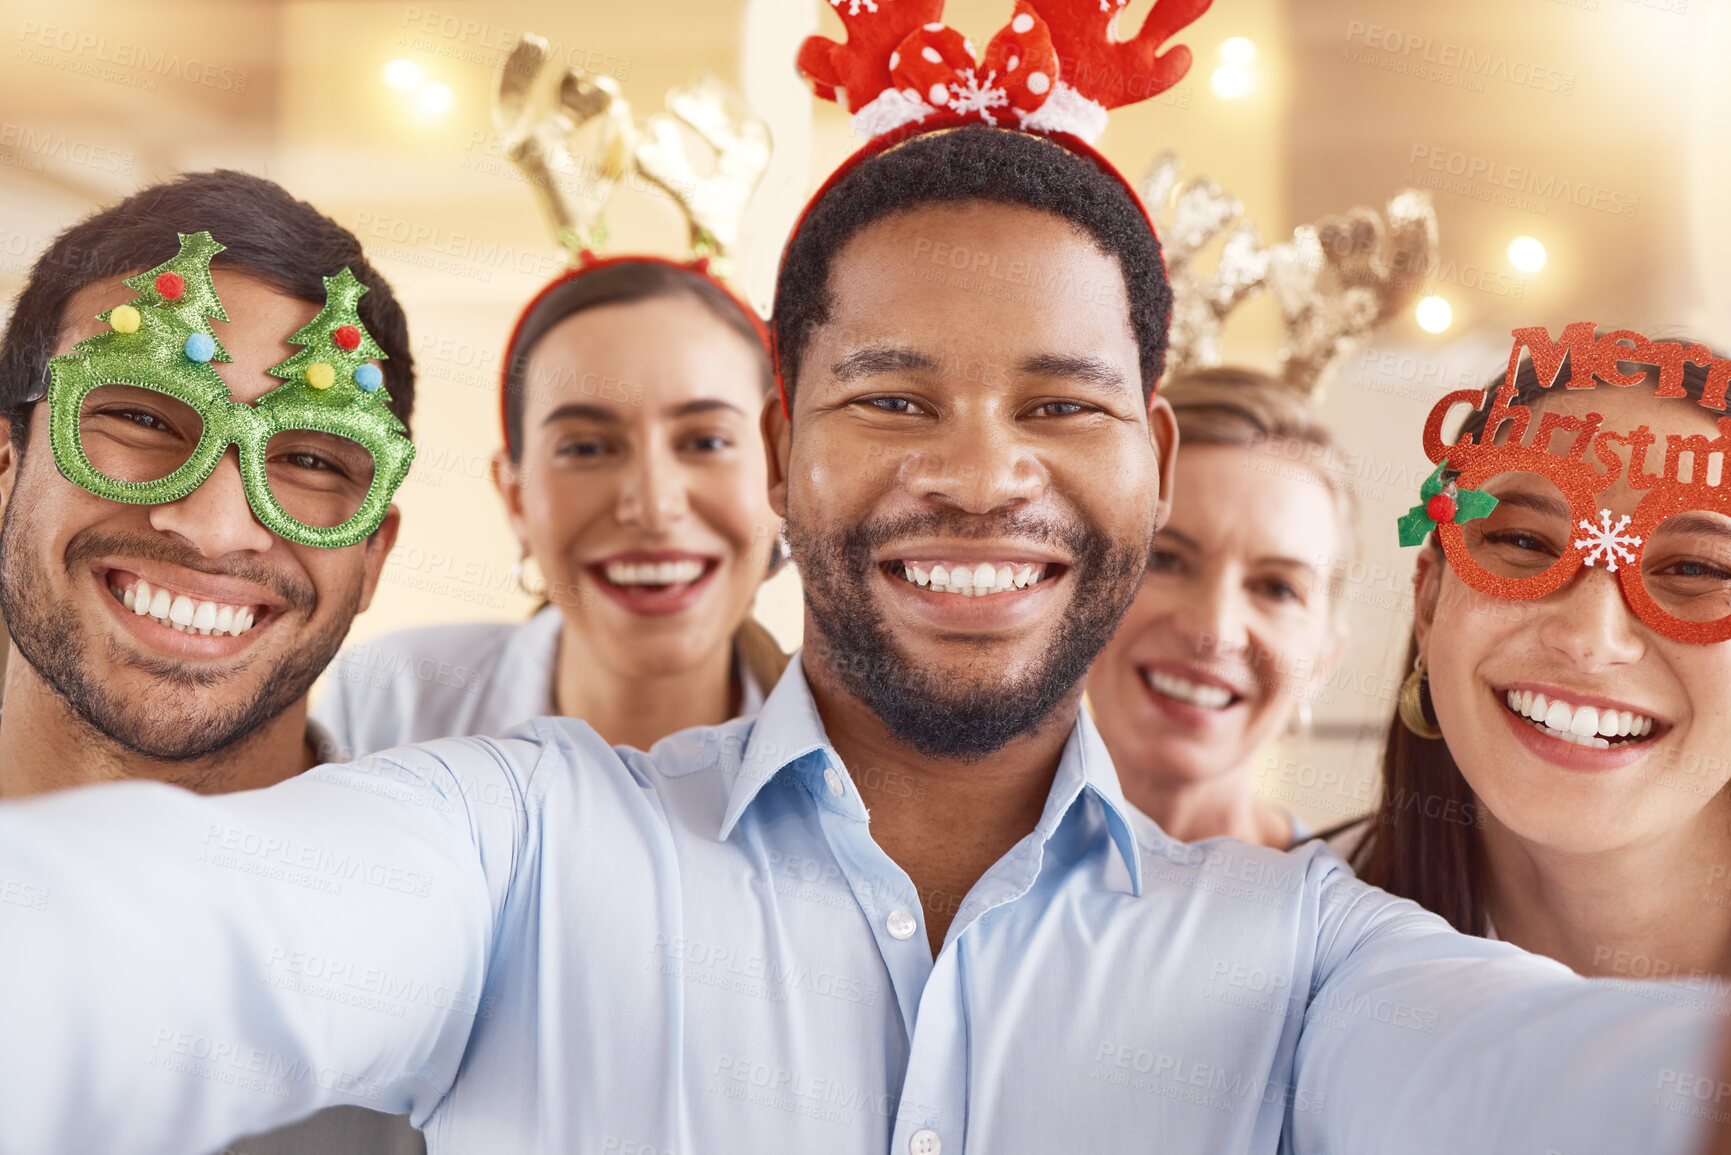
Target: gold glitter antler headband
(1335,280)
(587,129)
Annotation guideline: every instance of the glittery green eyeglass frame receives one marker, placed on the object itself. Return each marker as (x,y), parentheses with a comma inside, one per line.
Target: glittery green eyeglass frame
(163,343)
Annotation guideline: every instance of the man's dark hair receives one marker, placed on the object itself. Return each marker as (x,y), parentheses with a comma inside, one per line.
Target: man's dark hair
(268,234)
(973,164)
(623,283)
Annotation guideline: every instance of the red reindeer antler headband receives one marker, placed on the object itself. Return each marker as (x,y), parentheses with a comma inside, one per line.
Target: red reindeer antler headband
(1054,68)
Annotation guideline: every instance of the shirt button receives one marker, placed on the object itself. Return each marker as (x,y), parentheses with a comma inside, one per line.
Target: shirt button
(925,1143)
(833,780)
(901,924)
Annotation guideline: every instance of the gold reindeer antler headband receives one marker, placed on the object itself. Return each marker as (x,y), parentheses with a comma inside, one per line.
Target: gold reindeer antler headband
(585,128)
(1335,280)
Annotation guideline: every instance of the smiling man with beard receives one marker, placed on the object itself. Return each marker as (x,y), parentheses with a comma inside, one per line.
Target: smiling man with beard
(904,908)
(100,688)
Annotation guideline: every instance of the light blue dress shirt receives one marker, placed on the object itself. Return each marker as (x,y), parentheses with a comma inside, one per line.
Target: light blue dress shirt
(542,944)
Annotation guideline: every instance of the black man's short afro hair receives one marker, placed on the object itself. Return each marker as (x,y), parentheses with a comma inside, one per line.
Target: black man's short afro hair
(973,164)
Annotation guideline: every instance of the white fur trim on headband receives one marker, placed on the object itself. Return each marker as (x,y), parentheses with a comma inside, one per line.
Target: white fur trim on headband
(888,110)
(1067,110)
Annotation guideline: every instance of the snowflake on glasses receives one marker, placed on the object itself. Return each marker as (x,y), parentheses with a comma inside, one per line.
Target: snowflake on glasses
(1606,542)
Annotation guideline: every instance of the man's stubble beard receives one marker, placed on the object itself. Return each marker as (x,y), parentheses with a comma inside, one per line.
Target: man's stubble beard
(933,710)
(58,648)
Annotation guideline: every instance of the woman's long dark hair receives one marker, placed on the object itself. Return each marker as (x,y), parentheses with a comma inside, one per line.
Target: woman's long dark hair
(1422,841)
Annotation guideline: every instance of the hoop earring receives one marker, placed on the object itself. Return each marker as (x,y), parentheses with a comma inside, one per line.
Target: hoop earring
(1412,704)
(518,570)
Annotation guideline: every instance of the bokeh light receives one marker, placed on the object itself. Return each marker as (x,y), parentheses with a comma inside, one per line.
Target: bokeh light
(1434,314)
(1527,254)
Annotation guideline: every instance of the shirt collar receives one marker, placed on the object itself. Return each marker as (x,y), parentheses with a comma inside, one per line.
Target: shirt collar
(788,738)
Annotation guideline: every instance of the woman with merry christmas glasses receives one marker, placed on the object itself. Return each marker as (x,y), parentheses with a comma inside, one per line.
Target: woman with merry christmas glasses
(1570,643)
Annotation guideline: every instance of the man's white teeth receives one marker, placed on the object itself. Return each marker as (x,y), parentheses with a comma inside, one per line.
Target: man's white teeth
(1184,690)
(654,573)
(971,580)
(180,612)
(1582,725)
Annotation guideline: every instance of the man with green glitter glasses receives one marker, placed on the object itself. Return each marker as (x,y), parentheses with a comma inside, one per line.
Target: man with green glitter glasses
(190,523)
(139,415)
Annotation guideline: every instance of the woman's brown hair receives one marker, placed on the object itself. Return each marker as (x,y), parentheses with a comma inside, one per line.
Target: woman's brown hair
(1422,841)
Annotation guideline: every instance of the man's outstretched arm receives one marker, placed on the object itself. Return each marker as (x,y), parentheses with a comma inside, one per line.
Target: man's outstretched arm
(180,970)
(1417,1039)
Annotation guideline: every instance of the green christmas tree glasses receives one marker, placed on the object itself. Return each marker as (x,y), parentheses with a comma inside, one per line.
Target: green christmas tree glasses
(137,414)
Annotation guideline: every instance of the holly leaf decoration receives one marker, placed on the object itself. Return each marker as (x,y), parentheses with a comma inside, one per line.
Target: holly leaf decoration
(1433,485)
(1415,525)
(1470,504)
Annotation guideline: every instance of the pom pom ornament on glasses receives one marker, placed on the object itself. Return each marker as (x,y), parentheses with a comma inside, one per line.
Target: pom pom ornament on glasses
(1540,500)
(1054,68)
(138,415)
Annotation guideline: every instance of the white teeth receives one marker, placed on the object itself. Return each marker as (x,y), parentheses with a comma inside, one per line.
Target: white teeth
(1582,725)
(1184,690)
(971,580)
(654,573)
(181,612)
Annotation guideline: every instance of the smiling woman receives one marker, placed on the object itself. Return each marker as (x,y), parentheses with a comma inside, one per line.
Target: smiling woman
(633,476)
(1236,617)
(1570,795)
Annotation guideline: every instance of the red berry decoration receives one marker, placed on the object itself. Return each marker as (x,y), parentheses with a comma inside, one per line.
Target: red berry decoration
(1441,508)
(347,337)
(170,286)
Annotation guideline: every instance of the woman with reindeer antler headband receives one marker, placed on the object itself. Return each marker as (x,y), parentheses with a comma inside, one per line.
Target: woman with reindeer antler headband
(1239,617)
(633,466)
(1555,773)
